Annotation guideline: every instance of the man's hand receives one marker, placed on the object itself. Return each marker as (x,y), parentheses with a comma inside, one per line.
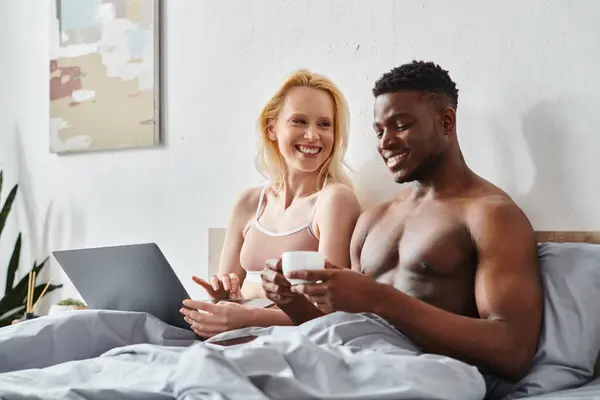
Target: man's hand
(337,289)
(221,287)
(208,319)
(278,289)
(275,285)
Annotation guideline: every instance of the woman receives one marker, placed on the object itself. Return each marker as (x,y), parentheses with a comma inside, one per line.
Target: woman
(308,203)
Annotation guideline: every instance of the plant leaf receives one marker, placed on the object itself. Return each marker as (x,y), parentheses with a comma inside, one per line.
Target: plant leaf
(20,290)
(35,265)
(37,291)
(7,317)
(17,299)
(7,206)
(13,312)
(13,265)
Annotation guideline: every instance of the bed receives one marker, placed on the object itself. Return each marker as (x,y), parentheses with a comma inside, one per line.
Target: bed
(100,354)
(589,237)
(590,390)
(567,363)
(587,392)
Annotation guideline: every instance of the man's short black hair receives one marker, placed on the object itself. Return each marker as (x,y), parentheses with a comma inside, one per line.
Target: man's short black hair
(419,76)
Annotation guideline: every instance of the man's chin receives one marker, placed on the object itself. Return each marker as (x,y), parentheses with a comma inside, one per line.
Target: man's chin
(401,177)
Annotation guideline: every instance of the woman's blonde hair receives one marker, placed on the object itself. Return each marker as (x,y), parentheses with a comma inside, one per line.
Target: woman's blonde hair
(269,160)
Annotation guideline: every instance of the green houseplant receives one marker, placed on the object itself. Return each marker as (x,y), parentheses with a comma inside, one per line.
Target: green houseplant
(66,305)
(71,302)
(14,301)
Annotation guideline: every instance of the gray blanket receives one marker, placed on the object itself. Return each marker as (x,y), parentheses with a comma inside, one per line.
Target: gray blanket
(113,355)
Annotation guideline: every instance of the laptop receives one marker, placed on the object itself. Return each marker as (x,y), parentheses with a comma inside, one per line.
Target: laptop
(134,277)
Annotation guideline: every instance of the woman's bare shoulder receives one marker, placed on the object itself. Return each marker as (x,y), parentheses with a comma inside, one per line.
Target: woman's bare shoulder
(246,202)
(337,196)
(250,195)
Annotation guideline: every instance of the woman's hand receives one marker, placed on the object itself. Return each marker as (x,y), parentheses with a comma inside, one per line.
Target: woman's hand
(208,319)
(222,287)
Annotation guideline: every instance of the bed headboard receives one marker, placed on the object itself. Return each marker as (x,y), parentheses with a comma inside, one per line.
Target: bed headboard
(592,237)
(569,236)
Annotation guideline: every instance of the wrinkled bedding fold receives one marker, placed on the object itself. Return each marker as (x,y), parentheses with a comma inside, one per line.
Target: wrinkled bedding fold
(108,355)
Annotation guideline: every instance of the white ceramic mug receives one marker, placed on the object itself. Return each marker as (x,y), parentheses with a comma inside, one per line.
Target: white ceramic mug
(301,260)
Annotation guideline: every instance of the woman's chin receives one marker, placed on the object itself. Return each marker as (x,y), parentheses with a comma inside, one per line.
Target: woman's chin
(305,167)
(303,163)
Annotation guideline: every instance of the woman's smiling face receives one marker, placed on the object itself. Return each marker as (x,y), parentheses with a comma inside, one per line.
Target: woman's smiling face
(304,128)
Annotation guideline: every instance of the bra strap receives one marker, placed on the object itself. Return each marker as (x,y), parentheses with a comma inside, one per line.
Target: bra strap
(314,212)
(260,203)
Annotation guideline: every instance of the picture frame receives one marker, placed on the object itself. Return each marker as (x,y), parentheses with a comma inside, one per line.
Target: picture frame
(105,75)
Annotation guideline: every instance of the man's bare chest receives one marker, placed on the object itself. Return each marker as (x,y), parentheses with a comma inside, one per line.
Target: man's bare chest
(407,245)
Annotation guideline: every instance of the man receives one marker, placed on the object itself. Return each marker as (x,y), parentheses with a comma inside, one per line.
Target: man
(452,261)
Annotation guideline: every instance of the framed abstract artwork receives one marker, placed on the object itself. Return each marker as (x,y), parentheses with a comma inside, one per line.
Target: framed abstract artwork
(105,75)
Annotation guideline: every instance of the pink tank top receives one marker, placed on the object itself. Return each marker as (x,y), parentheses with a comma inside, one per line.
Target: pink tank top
(260,244)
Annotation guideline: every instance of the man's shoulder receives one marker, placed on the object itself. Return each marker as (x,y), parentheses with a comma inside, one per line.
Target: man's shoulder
(378,210)
(372,215)
(490,201)
(494,214)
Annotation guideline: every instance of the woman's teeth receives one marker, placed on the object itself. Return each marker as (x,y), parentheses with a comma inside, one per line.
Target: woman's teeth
(308,150)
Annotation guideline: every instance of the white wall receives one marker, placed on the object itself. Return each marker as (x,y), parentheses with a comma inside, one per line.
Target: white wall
(529,94)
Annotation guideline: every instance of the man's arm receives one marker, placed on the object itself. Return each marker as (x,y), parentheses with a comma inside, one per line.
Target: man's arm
(508,293)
